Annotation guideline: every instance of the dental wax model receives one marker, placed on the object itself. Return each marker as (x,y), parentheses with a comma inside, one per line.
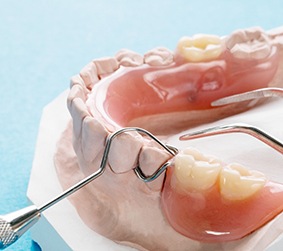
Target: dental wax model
(166,92)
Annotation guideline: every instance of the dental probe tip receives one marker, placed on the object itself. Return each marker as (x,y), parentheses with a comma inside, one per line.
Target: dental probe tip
(237,128)
(246,96)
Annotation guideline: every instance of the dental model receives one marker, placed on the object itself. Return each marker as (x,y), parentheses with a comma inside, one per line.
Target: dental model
(200,199)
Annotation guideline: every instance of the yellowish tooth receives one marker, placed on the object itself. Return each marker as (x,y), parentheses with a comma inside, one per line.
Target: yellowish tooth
(195,174)
(238,183)
(200,47)
(183,168)
(197,155)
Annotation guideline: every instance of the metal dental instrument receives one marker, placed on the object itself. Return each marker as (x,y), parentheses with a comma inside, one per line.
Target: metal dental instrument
(14,225)
(242,128)
(256,94)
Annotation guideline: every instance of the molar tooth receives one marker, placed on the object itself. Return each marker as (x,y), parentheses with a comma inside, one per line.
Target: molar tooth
(195,174)
(129,58)
(194,152)
(197,155)
(249,44)
(158,57)
(200,47)
(238,183)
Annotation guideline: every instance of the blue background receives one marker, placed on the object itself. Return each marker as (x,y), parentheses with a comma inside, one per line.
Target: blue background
(44,43)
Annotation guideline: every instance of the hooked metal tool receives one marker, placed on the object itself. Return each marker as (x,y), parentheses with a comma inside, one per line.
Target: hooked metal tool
(251,95)
(15,224)
(237,128)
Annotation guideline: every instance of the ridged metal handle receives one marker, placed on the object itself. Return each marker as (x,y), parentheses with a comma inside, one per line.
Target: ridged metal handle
(14,225)
(7,234)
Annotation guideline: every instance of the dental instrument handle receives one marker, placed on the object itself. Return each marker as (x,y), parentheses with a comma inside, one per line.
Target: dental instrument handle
(15,224)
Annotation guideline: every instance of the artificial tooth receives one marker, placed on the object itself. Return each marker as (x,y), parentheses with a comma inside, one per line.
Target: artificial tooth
(199,156)
(238,183)
(200,47)
(249,44)
(194,153)
(195,174)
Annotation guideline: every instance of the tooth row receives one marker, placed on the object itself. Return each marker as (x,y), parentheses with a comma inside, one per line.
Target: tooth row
(251,43)
(89,133)
(156,57)
(194,171)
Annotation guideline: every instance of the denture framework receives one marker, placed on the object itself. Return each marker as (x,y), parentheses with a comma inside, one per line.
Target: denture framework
(199,199)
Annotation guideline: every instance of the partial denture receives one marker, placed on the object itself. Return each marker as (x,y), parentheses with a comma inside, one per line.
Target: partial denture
(209,201)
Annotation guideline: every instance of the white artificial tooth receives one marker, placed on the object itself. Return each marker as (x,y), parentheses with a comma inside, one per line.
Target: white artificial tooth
(204,175)
(183,167)
(238,183)
(200,47)
(243,171)
(199,156)
(249,44)
(195,174)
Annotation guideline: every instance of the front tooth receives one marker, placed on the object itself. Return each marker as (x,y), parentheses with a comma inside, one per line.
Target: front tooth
(200,47)
(238,183)
(195,174)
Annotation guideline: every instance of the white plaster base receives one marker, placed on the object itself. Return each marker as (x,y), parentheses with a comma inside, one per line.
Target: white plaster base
(60,227)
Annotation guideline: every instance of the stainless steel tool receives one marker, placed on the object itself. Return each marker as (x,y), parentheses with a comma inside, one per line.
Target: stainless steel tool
(251,95)
(237,128)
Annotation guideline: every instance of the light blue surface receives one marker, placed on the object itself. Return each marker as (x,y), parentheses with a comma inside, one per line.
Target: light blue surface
(44,43)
